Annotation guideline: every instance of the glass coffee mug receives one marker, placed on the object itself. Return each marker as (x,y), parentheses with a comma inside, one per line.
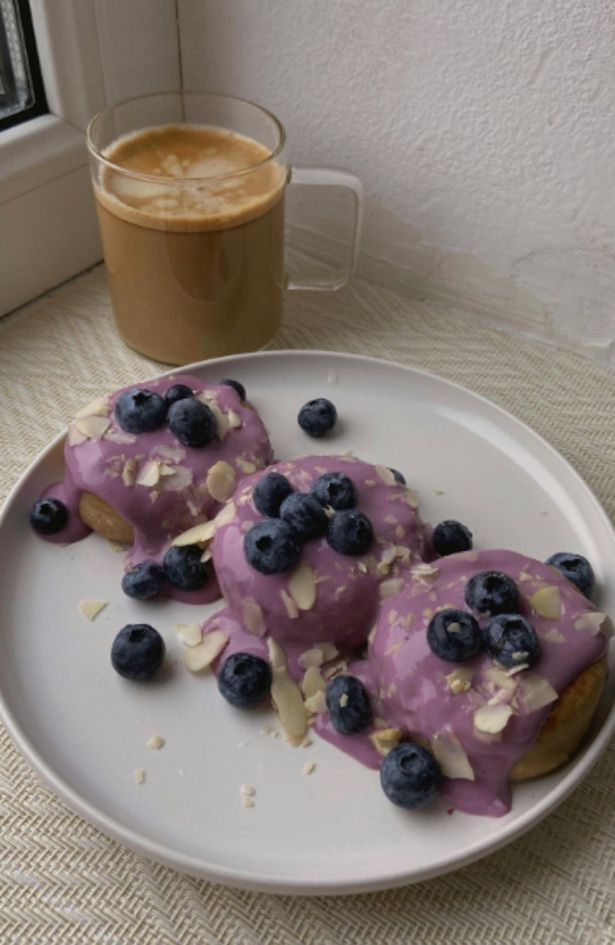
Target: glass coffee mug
(190,192)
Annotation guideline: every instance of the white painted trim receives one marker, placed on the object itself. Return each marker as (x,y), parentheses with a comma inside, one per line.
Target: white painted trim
(93,53)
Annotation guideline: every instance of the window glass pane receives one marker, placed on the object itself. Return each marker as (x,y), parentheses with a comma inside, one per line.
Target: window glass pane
(21,89)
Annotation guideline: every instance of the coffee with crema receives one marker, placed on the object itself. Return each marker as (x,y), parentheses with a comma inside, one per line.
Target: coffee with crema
(193,235)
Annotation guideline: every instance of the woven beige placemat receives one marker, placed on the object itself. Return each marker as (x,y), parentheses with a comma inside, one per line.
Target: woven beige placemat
(64,882)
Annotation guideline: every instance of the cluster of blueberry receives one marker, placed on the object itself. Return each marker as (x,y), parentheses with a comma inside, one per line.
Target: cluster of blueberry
(181,566)
(193,423)
(273,545)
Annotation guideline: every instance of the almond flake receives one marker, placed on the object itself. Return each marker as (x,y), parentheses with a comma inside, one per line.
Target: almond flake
(391,587)
(165,469)
(247,802)
(329,651)
(460,680)
(221,481)
(362,567)
(247,790)
(92,428)
(425,573)
(343,701)
(245,465)
(156,742)
(385,739)
(302,586)
(389,554)
(75,438)
(234,419)
(221,419)
(535,691)
(411,499)
(547,603)
(467,556)
(189,633)
(98,408)
(149,473)
(201,656)
(492,719)
(91,608)
(386,475)
(286,696)
(451,757)
(313,657)
(289,605)
(253,618)
(312,682)
(594,622)
(170,454)
(119,436)
(139,775)
(226,514)
(116,546)
(128,473)
(197,535)
(316,704)
(309,766)
(554,636)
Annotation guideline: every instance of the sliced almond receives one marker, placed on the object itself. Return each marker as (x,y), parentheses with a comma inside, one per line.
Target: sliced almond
(226,514)
(197,535)
(139,776)
(286,695)
(316,704)
(547,602)
(171,454)
(592,621)
(386,475)
(329,651)
(149,473)
(302,586)
(391,587)
(221,481)
(312,682)
(91,608)
(189,633)
(460,680)
(554,635)
(245,465)
(253,618)
(234,420)
(247,790)
(128,472)
(313,657)
(290,606)
(201,656)
(75,438)
(535,692)
(451,757)
(119,436)
(425,573)
(385,739)
(98,408)
(492,719)
(309,767)
(156,742)
(221,419)
(93,427)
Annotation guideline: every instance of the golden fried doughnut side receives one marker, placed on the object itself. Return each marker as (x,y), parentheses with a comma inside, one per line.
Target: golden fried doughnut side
(566,725)
(104,520)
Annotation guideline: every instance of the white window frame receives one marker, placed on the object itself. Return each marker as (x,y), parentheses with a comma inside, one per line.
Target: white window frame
(92,53)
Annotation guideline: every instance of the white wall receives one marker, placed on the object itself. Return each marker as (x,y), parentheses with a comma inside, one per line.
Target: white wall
(483,130)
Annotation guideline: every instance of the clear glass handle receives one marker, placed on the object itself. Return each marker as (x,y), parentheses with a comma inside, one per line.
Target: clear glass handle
(326,177)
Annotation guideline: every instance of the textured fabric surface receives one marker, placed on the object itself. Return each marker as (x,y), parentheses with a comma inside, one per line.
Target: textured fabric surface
(64,882)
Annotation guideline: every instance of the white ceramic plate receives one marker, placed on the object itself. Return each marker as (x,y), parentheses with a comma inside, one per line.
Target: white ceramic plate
(85,730)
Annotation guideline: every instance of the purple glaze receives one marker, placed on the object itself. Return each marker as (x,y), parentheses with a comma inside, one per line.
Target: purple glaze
(411,692)
(347,587)
(110,462)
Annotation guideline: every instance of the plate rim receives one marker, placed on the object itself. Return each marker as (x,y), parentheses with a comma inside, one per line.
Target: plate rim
(280,884)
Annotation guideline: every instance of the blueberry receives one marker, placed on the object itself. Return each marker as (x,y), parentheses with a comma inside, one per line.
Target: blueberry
(184,568)
(399,477)
(576,568)
(48,516)
(271,546)
(450,537)
(492,592)
(237,387)
(410,776)
(511,640)
(137,651)
(304,514)
(192,422)
(143,581)
(335,489)
(454,635)
(175,393)
(348,705)
(269,493)
(317,417)
(244,679)
(140,410)
(350,533)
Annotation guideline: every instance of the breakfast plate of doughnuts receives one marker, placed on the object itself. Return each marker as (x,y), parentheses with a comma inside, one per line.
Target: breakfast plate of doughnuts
(306,622)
